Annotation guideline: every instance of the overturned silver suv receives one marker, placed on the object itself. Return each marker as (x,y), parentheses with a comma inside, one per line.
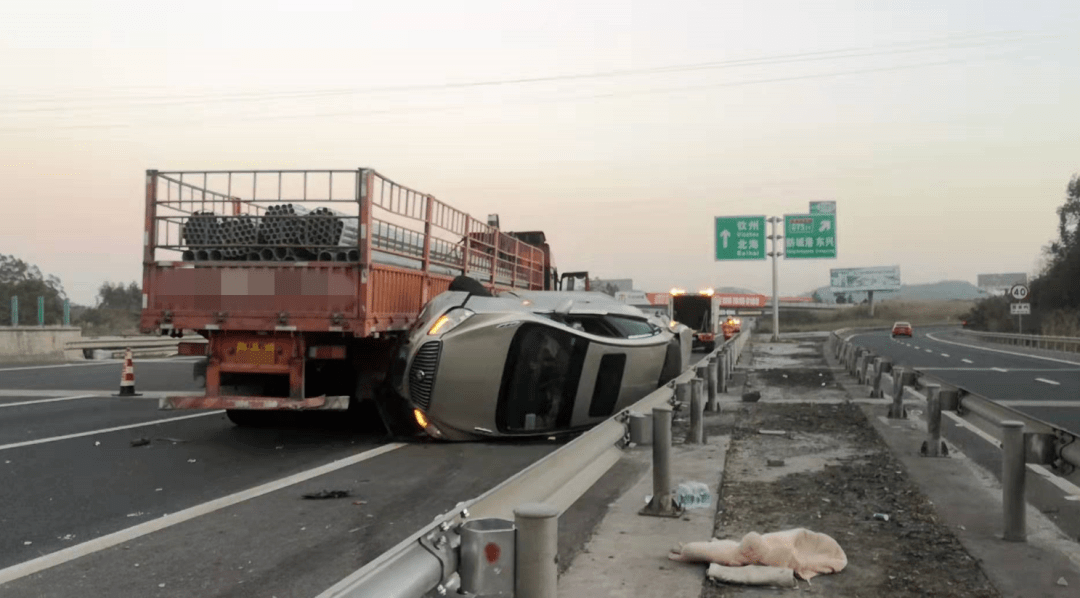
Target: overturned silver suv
(532,363)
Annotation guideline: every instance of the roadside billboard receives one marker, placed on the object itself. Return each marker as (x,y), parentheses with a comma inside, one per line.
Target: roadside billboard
(1000,283)
(879,278)
(736,300)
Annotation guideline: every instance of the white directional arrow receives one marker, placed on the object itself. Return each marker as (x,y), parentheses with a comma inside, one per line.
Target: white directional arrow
(825,225)
(724,234)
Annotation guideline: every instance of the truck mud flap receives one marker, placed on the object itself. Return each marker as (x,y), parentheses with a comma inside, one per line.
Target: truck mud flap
(245,403)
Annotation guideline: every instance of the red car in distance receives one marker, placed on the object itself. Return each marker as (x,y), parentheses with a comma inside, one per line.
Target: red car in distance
(901,329)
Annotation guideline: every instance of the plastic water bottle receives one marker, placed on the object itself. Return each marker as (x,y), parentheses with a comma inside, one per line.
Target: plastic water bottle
(704,497)
(693,495)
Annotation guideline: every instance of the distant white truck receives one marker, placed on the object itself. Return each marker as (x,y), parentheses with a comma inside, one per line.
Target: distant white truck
(640,300)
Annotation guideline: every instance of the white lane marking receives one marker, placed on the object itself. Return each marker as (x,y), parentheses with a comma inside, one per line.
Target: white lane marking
(967,361)
(62,365)
(944,354)
(1045,381)
(1001,351)
(1002,370)
(929,350)
(80,364)
(146,394)
(38,401)
(917,347)
(1071,491)
(986,369)
(4,447)
(1055,404)
(108,541)
(970,426)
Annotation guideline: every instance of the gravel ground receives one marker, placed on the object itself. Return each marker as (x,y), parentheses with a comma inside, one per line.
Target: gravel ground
(837,475)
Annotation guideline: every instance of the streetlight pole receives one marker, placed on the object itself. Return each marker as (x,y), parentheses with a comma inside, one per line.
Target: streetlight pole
(774,254)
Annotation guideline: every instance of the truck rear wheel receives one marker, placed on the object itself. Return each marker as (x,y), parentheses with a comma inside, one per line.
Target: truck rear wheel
(393,411)
(247,418)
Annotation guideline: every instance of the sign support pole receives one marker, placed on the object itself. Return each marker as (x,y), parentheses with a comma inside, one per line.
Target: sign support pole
(871,293)
(775,279)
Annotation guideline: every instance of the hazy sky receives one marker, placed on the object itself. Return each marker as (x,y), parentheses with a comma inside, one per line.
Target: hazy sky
(945,130)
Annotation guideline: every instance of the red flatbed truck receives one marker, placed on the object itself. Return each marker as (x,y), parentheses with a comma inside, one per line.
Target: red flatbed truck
(301,281)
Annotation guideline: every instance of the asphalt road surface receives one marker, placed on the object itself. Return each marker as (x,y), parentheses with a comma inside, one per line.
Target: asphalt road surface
(1045,388)
(108,496)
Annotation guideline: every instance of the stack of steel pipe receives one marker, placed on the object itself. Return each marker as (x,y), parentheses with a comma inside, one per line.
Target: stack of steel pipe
(286,232)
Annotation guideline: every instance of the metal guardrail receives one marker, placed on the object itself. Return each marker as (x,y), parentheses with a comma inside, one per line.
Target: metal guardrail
(1024,441)
(141,346)
(1035,341)
(1046,443)
(426,563)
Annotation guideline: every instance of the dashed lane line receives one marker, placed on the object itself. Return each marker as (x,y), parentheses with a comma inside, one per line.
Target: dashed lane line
(14,445)
(108,541)
(52,400)
(931,336)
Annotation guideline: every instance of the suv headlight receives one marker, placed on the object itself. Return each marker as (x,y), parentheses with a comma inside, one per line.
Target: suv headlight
(450,320)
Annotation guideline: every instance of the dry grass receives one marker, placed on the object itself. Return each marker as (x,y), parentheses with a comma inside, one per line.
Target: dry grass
(918,313)
(1062,323)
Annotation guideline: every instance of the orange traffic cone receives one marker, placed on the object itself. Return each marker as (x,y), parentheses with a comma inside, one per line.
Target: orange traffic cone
(127,377)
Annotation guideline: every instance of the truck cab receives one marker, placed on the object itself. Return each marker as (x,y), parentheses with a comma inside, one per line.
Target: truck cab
(701,313)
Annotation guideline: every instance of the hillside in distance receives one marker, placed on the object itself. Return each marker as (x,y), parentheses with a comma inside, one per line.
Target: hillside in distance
(945,290)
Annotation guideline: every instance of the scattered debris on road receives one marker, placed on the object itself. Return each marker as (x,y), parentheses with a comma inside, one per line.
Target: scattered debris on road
(837,455)
(140,442)
(327,494)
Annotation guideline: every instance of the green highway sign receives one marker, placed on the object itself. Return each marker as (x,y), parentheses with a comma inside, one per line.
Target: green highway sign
(810,236)
(740,238)
(823,207)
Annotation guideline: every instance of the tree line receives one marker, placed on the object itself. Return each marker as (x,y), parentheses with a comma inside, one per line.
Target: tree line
(117,305)
(1055,291)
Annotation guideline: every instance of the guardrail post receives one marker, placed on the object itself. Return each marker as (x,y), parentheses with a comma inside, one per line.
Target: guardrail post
(896,410)
(933,420)
(696,433)
(662,503)
(536,549)
(640,428)
(682,393)
(861,369)
(725,372)
(950,399)
(884,365)
(487,557)
(714,365)
(1012,480)
(856,355)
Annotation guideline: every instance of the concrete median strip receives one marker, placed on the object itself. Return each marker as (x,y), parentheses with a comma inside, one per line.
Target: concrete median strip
(86,548)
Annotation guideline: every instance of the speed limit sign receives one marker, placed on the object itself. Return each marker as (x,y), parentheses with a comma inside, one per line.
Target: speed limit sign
(1018,292)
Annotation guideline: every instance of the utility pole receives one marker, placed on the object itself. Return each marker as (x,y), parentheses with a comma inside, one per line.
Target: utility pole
(774,254)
